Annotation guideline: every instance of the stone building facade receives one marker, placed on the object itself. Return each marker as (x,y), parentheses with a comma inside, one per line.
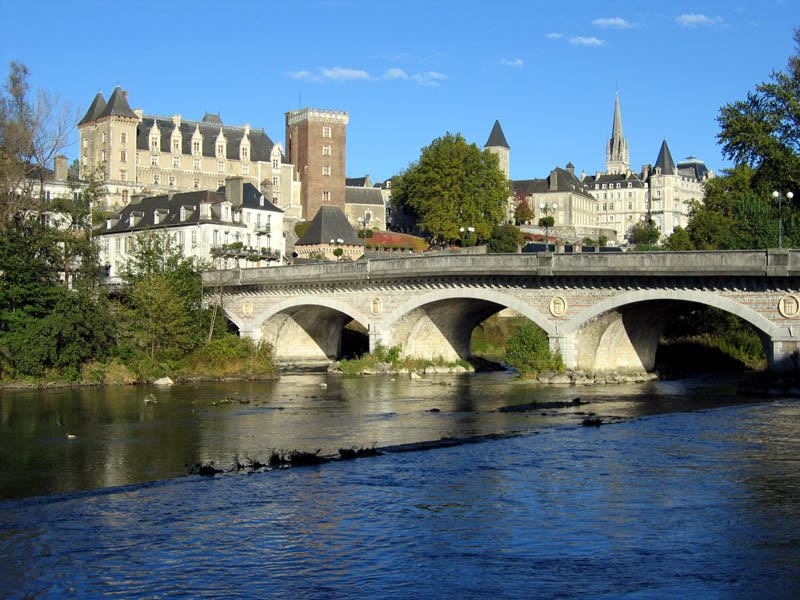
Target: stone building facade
(138,153)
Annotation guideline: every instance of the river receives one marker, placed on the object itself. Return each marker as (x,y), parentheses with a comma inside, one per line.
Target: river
(687,490)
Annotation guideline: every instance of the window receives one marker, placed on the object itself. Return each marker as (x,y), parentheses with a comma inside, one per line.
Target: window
(154,160)
(103,137)
(326,132)
(245,153)
(630,205)
(245,169)
(194,237)
(103,155)
(196,147)
(154,144)
(326,151)
(123,137)
(220,150)
(196,183)
(172,180)
(124,197)
(138,158)
(123,156)
(176,161)
(326,169)
(326,196)
(123,175)
(275,181)
(176,146)
(275,163)
(221,166)
(156,179)
(85,143)
(196,164)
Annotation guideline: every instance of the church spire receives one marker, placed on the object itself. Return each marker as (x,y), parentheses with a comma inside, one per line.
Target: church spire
(617,157)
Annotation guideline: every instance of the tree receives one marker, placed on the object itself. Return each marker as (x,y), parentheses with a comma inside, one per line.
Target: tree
(164,316)
(454,184)
(679,240)
(645,233)
(528,349)
(763,131)
(523,213)
(32,133)
(505,238)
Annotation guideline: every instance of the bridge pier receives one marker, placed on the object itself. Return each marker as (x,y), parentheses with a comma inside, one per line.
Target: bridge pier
(783,355)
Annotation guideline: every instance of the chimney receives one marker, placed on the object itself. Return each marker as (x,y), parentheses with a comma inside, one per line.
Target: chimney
(176,119)
(60,168)
(234,191)
(553,180)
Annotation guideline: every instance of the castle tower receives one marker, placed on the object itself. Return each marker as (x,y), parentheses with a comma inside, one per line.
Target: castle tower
(316,141)
(497,144)
(617,157)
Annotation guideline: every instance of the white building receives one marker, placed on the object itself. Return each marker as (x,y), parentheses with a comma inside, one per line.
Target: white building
(236,226)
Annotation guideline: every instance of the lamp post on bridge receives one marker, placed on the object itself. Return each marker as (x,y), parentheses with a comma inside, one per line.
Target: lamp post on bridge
(466,239)
(779,197)
(547,221)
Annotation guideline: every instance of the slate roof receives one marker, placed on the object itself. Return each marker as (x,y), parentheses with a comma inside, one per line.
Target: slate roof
(664,160)
(117,106)
(356,181)
(693,167)
(362,195)
(95,110)
(565,182)
(329,224)
(260,143)
(605,178)
(251,198)
(497,138)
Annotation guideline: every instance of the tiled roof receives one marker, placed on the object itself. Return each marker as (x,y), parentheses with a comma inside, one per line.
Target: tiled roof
(330,223)
(362,195)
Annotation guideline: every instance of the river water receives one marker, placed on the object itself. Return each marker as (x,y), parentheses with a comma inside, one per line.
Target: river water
(688,490)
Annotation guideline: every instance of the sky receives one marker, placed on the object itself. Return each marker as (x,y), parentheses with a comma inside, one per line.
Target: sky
(409,71)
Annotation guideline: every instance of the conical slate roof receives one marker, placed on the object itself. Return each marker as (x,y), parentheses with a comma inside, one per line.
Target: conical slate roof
(95,109)
(330,224)
(664,160)
(616,126)
(496,138)
(118,106)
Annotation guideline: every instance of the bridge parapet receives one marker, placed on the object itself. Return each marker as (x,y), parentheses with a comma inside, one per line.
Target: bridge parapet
(737,263)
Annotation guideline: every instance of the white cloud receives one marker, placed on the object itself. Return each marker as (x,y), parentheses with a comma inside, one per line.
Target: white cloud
(429,78)
(395,73)
(343,74)
(613,22)
(554,36)
(301,75)
(586,41)
(697,20)
(512,62)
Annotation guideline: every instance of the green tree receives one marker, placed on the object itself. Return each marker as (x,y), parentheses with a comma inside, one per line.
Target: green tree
(679,240)
(454,184)
(645,233)
(505,238)
(164,317)
(763,130)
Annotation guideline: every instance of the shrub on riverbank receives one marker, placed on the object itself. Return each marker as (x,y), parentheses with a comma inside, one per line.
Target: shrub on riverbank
(230,356)
(385,360)
(528,350)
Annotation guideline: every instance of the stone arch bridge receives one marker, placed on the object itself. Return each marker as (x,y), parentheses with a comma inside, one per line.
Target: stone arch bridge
(603,312)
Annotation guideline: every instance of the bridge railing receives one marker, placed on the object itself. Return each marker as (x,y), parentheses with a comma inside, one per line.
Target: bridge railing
(748,263)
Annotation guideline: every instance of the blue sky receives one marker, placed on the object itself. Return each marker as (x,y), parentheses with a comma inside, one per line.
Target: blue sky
(409,71)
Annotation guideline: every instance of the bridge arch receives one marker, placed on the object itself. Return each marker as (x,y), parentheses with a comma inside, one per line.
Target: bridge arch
(439,324)
(306,330)
(623,332)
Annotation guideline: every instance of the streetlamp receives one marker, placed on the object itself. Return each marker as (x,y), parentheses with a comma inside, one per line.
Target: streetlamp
(546,210)
(779,197)
(469,230)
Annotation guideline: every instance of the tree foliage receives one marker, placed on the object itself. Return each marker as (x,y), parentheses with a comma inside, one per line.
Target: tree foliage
(523,213)
(454,184)
(645,233)
(505,238)
(528,349)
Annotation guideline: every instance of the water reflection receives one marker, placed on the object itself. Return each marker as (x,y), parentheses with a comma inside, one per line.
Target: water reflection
(120,438)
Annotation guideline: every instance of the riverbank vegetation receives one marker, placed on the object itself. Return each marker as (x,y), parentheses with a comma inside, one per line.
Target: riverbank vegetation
(389,360)
(516,342)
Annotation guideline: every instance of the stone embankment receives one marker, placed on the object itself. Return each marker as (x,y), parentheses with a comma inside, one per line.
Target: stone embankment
(582,378)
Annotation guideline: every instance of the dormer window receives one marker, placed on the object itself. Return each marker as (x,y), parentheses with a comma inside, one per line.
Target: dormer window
(196,147)
(275,163)
(176,146)
(154,144)
(245,153)
(220,150)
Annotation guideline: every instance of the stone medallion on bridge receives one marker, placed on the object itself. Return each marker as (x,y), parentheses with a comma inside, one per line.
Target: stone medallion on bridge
(558,306)
(789,306)
(376,306)
(247,308)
